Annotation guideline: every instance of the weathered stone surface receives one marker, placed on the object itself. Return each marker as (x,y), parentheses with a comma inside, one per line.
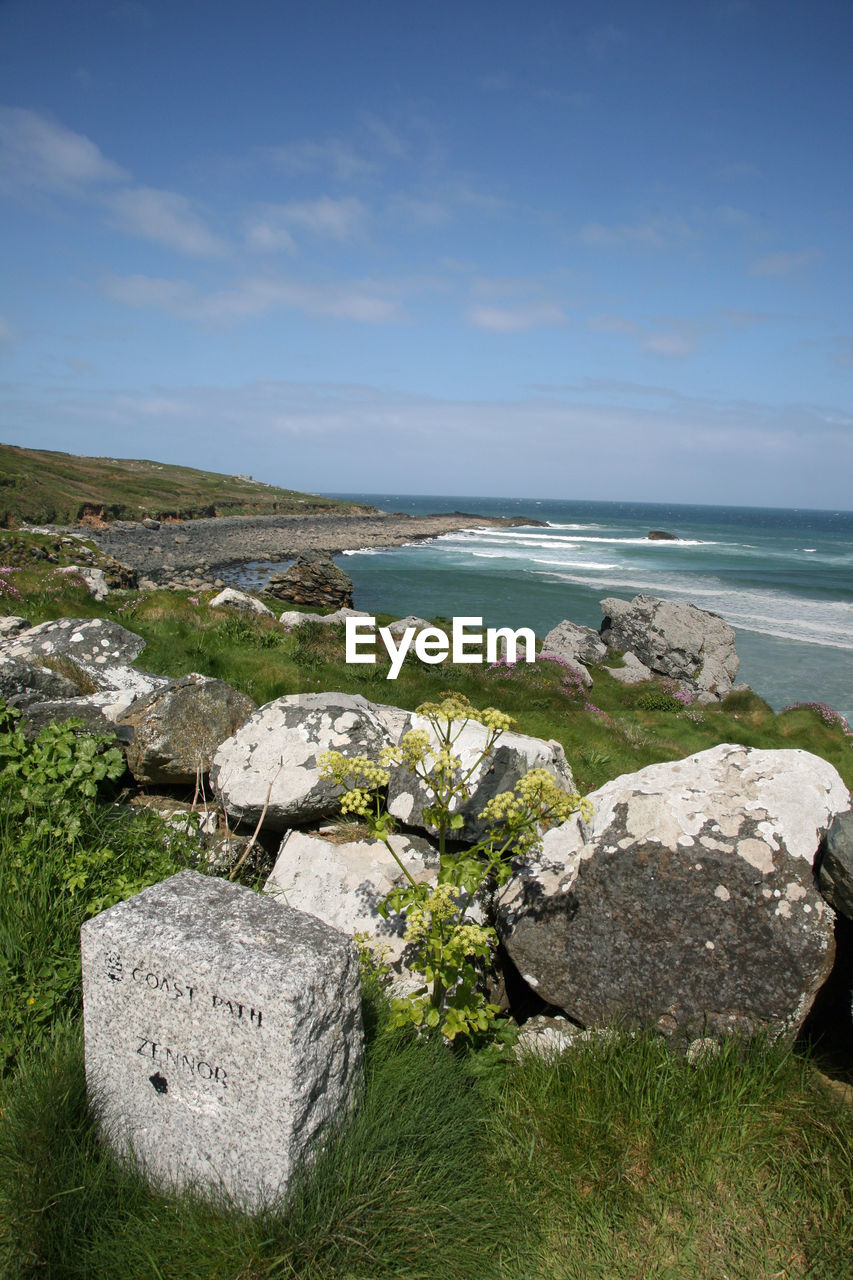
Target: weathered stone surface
(293,618)
(313,579)
(509,760)
(223,1034)
(633,672)
(177,729)
(688,903)
(660,535)
(411,620)
(13,626)
(230,598)
(580,644)
(275,753)
(24,682)
(836,868)
(96,581)
(343,883)
(94,709)
(676,640)
(90,641)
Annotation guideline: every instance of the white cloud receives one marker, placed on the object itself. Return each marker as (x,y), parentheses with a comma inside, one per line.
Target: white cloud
(516,319)
(784,264)
(331,156)
(612,324)
(363,302)
(341,220)
(656,233)
(671,345)
(164,217)
(149,291)
(385,137)
(423,213)
(36,152)
(266,234)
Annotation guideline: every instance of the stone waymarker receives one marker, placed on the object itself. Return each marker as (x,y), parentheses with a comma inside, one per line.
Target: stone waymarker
(223,1034)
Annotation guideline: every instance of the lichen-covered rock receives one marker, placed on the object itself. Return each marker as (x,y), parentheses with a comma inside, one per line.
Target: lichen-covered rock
(675,640)
(836,868)
(12,625)
(579,644)
(688,903)
(293,617)
(275,754)
(94,710)
(95,642)
(508,762)
(313,579)
(177,729)
(24,682)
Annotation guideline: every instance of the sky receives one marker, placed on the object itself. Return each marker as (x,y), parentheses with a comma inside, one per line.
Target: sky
(557,250)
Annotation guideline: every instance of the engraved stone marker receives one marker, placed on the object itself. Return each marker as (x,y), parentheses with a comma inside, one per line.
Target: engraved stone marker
(223,1034)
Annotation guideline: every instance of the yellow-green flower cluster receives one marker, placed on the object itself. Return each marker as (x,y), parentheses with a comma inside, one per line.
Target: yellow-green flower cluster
(536,802)
(358,775)
(455,706)
(411,752)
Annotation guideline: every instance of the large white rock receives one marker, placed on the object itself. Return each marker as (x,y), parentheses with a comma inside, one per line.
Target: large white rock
(689,902)
(230,598)
(343,882)
(674,639)
(580,644)
(275,754)
(513,756)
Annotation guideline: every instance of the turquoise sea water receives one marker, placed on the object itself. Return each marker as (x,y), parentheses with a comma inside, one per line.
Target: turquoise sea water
(783,579)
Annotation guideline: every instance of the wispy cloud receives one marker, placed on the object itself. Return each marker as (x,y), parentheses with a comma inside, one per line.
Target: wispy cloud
(265,232)
(361,301)
(342,220)
(164,217)
(37,152)
(842,352)
(419,212)
(517,319)
(332,155)
(655,233)
(672,346)
(784,264)
(673,342)
(602,39)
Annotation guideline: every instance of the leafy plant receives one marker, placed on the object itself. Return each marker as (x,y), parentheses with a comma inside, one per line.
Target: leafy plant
(658,700)
(48,781)
(448,949)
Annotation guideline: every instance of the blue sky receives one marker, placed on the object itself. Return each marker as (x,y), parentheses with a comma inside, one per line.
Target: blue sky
(575,250)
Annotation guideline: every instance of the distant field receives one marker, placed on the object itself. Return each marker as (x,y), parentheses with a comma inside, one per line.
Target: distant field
(40,486)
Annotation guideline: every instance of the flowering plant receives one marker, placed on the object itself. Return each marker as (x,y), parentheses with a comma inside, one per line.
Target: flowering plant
(448,948)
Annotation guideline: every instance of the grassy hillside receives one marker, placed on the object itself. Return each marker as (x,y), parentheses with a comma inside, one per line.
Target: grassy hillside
(40,486)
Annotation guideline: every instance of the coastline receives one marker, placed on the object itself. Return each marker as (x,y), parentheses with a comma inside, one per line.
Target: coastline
(201,547)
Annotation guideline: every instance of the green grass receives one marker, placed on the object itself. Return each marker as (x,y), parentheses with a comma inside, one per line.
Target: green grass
(41,486)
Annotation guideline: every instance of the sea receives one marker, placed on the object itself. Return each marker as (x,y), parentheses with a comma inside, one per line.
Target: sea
(782,578)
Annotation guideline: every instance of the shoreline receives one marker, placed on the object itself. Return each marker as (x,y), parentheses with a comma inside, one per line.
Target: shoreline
(202,547)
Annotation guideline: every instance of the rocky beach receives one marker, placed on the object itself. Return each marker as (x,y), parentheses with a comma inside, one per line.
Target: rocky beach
(193,551)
